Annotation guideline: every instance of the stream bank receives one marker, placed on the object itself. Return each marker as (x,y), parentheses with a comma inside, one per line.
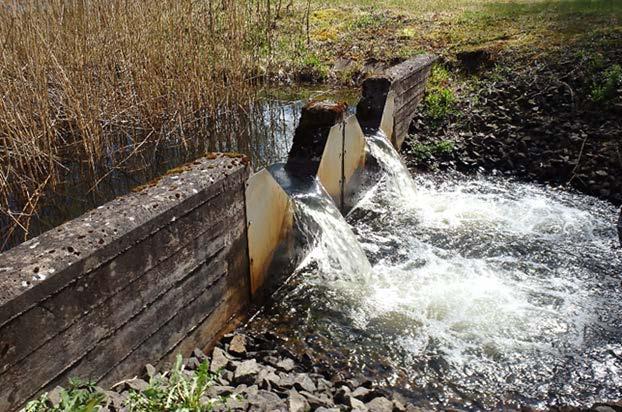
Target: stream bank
(555,118)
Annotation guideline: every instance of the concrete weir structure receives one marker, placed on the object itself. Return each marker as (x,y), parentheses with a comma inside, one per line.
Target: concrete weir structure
(171,266)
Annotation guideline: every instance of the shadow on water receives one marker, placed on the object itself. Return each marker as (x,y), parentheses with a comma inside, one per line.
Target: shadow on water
(263,131)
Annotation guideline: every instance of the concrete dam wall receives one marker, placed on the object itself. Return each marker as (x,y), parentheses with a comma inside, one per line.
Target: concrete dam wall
(172,266)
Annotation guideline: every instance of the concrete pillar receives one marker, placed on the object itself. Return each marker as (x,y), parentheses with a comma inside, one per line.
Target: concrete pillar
(316,120)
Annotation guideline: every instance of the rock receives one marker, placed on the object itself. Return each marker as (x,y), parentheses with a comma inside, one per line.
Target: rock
(323,385)
(360,392)
(138,385)
(199,354)
(239,389)
(322,409)
(266,401)
(238,345)
(380,405)
(286,380)
(616,406)
(114,399)
(398,406)
(356,405)
(296,402)
(245,371)
(602,409)
(236,404)
(192,363)
(150,370)
(342,395)
(304,383)
(54,395)
(250,390)
(219,360)
(317,401)
(286,365)
(219,390)
(266,379)
(226,377)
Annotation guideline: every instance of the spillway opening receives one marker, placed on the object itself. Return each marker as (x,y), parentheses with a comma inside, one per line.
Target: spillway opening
(475,292)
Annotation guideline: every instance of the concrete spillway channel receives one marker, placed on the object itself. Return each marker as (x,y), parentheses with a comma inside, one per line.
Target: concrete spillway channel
(172,266)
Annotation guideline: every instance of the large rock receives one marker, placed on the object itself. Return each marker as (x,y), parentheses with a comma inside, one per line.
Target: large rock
(380,405)
(245,372)
(238,345)
(304,383)
(286,365)
(220,360)
(297,403)
(266,401)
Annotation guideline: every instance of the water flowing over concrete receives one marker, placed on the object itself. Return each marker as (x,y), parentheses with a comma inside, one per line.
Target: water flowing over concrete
(481,291)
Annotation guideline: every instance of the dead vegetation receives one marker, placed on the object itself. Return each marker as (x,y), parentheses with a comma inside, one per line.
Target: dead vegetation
(91,87)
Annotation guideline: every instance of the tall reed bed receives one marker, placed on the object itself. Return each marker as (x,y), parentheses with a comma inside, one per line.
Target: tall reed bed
(89,86)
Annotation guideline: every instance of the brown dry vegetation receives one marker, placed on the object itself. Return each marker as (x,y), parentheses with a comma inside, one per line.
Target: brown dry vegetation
(88,86)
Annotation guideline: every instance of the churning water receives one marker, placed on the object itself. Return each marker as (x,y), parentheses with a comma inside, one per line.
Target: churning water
(473,292)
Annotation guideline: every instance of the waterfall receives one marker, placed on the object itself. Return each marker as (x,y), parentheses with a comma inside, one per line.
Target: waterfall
(471,288)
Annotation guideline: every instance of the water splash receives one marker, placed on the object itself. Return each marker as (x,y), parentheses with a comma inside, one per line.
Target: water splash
(335,250)
(482,291)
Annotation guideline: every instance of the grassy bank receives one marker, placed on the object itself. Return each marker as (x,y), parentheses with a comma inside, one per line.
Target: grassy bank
(345,41)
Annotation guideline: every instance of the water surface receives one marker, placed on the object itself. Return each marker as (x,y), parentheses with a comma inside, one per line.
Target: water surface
(481,291)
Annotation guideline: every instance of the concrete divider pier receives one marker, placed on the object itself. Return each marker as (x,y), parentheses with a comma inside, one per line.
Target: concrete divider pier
(389,100)
(135,281)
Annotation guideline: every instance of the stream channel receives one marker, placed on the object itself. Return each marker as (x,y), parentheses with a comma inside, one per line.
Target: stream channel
(476,292)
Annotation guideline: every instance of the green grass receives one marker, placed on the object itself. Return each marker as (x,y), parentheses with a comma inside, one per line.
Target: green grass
(78,397)
(176,390)
(440,99)
(363,29)
(607,85)
(425,151)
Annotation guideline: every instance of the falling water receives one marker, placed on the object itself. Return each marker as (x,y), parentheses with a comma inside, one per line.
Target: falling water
(482,291)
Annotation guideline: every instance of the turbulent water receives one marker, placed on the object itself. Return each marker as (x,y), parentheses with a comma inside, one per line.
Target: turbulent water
(473,292)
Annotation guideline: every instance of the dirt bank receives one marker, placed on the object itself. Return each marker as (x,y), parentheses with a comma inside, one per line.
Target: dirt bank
(556,118)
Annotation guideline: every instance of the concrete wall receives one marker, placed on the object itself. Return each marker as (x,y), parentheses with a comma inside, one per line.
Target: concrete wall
(135,281)
(398,90)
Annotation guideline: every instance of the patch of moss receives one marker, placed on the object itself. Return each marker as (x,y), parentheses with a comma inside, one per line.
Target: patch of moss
(425,151)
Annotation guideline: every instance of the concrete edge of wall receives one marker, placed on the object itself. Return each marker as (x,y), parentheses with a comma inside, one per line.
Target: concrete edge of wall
(136,280)
(406,82)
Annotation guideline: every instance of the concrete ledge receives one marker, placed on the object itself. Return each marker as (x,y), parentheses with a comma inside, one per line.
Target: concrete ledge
(405,84)
(128,283)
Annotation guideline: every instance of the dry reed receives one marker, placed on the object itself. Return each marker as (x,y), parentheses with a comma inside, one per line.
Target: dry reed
(89,86)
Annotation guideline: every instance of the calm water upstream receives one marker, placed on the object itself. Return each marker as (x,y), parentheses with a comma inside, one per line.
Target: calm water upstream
(467,291)
(263,130)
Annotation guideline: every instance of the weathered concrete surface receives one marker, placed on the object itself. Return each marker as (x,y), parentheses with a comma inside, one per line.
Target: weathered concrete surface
(317,119)
(128,283)
(343,158)
(269,214)
(407,83)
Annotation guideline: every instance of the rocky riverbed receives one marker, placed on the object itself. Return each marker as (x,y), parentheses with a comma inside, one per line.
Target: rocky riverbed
(245,374)
(249,374)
